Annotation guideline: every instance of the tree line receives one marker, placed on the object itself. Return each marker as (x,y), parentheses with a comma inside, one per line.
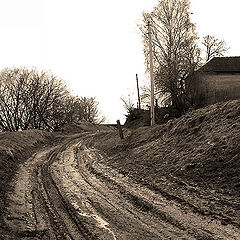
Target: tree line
(30,99)
(177,52)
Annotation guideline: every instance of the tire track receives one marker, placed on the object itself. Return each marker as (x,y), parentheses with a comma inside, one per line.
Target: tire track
(63,217)
(68,193)
(192,222)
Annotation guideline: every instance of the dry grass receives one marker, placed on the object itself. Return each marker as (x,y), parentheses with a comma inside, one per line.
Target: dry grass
(194,160)
(201,147)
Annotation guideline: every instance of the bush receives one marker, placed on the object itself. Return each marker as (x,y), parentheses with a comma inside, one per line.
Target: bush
(33,100)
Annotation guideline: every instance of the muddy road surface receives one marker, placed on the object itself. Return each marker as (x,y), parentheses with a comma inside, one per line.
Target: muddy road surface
(67,192)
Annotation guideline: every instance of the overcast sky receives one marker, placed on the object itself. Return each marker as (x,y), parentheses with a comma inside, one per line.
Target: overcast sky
(95,45)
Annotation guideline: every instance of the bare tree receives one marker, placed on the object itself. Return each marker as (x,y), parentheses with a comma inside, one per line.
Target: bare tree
(162,100)
(86,109)
(33,100)
(29,99)
(13,92)
(213,47)
(145,95)
(128,103)
(175,50)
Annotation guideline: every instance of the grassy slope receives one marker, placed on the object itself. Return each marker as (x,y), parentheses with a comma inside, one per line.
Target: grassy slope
(200,150)
(15,147)
(202,146)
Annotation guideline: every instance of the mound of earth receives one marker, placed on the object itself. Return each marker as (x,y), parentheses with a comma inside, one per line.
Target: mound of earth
(193,157)
(202,146)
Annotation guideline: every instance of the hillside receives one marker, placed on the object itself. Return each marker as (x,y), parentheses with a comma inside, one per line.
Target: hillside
(195,159)
(181,178)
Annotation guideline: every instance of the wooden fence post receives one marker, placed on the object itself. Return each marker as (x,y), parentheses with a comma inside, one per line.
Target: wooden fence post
(120,129)
(139,101)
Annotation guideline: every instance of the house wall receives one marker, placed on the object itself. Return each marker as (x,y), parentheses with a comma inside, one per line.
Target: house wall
(210,88)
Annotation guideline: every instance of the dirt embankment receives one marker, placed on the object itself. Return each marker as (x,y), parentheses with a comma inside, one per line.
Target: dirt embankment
(194,157)
(183,176)
(15,148)
(178,181)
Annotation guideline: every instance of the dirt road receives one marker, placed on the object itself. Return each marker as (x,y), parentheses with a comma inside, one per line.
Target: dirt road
(67,192)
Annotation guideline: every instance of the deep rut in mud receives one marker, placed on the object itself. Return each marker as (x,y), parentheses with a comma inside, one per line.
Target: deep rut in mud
(66,192)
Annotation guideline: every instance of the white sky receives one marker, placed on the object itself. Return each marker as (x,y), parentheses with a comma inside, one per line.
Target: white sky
(95,45)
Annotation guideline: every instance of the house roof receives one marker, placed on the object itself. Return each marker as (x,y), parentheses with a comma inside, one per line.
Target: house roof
(222,64)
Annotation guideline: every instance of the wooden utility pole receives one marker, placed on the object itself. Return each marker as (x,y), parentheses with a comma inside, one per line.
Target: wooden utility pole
(151,74)
(139,102)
